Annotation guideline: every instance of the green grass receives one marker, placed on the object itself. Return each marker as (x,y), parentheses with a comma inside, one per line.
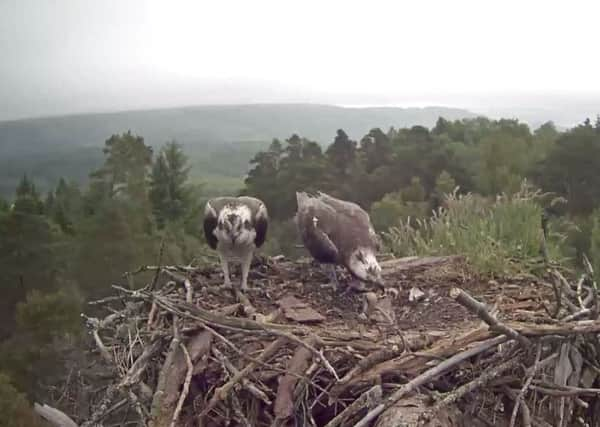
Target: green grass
(497,237)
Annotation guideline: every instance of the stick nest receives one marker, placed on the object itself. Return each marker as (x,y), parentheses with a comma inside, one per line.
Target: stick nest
(180,351)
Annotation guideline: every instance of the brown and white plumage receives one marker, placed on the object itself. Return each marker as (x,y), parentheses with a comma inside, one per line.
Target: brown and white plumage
(235,227)
(339,232)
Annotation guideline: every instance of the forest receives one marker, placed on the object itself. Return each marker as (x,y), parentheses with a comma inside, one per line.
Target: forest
(475,186)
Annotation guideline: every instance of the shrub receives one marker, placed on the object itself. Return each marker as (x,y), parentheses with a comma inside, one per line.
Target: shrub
(595,246)
(392,209)
(496,236)
(14,407)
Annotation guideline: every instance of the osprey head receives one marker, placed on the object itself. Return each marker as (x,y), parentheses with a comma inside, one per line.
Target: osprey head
(234,223)
(363,264)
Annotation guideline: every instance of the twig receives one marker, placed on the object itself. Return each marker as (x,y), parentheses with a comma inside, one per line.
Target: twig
(428,376)
(577,315)
(488,375)
(158,416)
(369,398)
(480,310)
(283,407)
(564,391)
(151,314)
(157,273)
(246,383)
(188,290)
(520,397)
(558,297)
(525,412)
(139,366)
(222,392)
(186,384)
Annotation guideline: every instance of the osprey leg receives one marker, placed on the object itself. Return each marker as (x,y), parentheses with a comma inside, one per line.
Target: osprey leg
(333,276)
(245,270)
(225,267)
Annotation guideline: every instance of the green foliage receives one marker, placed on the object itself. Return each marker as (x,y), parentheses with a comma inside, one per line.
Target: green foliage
(113,240)
(395,208)
(49,315)
(125,167)
(14,408)
(444,184)
(27,257)
(46,324)
(27,199)
(595,245)
(281,171)
(4,206)
(571,168)
(496,237)
(283,240)
(169,192)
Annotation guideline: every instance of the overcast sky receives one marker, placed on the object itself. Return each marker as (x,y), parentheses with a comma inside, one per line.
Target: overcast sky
(66,56)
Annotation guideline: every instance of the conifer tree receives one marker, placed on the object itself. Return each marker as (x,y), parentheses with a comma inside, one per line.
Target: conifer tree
(169,191)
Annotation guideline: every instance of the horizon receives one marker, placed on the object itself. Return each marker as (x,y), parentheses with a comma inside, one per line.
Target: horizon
(530,115)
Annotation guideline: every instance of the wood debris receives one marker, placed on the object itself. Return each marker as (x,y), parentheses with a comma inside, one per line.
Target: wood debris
(181,352)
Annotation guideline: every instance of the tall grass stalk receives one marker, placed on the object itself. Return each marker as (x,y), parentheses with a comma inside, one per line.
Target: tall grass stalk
(498,236)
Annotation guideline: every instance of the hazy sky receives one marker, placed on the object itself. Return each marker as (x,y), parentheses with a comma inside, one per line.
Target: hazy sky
(96,55)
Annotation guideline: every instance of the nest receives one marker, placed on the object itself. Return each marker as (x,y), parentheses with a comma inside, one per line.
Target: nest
(182,352)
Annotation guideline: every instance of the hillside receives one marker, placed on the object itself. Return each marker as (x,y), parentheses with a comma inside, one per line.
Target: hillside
(47,148)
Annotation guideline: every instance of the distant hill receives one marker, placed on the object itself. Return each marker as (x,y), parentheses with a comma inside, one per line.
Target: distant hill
(47,148)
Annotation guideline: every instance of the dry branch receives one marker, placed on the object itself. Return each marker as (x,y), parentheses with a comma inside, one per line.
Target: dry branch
(222,392)
(368,399)
(186,384)
(54,416)
(428,376)
(284,404)
(481,310)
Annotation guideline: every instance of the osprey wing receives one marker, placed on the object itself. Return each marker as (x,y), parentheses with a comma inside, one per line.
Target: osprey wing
(315,223)
(348,208)
(359,215)
(211,216)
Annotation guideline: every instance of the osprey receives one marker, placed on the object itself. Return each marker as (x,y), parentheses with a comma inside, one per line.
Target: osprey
(235,227)
(339,232)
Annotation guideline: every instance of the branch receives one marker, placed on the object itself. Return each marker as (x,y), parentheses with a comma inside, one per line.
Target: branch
(186,384)
(369,398)
(159,412)
(246,383)
(480,310)
(428,376)
(520,397)
(53,415)
(284,405)
(222,392)
(488,375)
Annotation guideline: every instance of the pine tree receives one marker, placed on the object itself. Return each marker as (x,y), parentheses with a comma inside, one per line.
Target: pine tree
(169,192)
(126,166)
(27,199)
(27,258)
(341,154)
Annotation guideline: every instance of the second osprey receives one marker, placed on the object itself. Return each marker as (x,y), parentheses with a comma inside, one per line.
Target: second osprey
(335,231)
